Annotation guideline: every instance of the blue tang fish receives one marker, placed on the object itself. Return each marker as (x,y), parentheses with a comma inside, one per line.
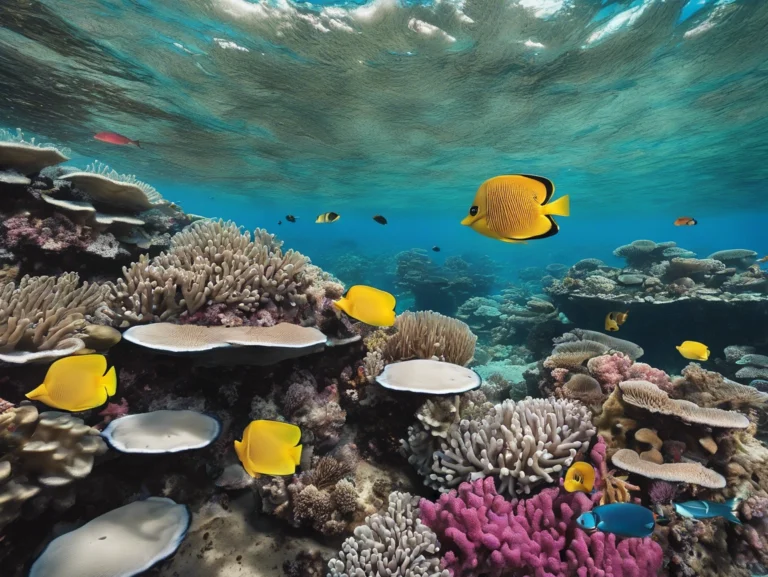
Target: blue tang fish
(622,519)
(708,510)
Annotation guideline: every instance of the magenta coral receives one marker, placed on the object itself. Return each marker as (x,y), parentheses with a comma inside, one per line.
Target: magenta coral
(484,534)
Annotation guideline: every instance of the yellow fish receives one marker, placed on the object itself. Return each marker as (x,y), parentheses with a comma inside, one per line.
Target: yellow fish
(269,448)
(614,320)
(513,208)
(580,477)
(77,384)
(327,217)
(694,351)
(369,305)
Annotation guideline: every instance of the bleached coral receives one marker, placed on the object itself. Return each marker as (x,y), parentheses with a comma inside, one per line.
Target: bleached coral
(393,543)
(522,445)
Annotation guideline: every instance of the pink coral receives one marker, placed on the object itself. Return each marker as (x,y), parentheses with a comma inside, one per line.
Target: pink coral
(484,534)
(114,411)
(644,372)
(54,234)
(610,370)
(559,375)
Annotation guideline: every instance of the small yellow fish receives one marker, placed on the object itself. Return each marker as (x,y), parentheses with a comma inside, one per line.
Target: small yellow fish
(694,351)
(580,477)
(614,320)
(513,208)
(269,448)
(77,384)
(327,217)
(369,305)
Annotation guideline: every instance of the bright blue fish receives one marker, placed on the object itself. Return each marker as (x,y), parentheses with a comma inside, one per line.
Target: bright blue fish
(622,519)
(708,510)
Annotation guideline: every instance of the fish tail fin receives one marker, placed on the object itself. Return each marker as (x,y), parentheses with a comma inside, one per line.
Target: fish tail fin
(110,381)
(296,454)
(731,516)
(137,143)
(560,207)
(37,393)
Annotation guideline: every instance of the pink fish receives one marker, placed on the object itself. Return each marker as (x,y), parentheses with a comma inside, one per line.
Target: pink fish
(114,138)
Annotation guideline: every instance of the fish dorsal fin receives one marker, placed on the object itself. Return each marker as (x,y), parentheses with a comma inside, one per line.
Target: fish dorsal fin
(70,367)
(368,292)
(281,432)
(549,186)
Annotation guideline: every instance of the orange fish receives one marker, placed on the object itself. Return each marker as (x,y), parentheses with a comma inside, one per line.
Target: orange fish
(686,221)
(764,259)
(115,138)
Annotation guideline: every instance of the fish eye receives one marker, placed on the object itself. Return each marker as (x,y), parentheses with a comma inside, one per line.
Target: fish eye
(473,211)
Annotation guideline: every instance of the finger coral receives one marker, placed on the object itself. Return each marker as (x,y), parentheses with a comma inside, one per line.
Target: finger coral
(483,534)
(45,314)
(520,445)
(426,334)
(212,262)
(393,543)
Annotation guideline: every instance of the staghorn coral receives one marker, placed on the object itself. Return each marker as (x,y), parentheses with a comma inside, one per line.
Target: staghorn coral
(521,445)
(213,262)
(393,543)
(42,312)
(428,334)
(42,452)
(487,535)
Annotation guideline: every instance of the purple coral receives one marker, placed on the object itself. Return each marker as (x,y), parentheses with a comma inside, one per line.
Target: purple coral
(538,536)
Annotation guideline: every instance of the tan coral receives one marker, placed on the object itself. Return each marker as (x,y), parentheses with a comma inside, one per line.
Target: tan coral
(427,334)
(573,355)
(652,455)
(212,262)
(649,397)
(709,444)
(42,312)
(649,437)
(693,473)
(711,389)
(47,450)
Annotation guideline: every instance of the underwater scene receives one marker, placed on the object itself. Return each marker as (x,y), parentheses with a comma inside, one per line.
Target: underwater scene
(383,288)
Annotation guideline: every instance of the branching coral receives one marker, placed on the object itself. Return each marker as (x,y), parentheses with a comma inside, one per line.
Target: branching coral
(42,312)
(427,334)
(484,534)
(394,543)
(213,262)
(521,445)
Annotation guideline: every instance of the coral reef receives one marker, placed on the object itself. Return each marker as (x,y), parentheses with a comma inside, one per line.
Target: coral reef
(484,534)
(42,453)
(393,543)
(443,288)
(520,445)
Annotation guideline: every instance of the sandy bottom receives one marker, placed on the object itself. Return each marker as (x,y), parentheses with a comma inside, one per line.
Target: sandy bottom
(235,543)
